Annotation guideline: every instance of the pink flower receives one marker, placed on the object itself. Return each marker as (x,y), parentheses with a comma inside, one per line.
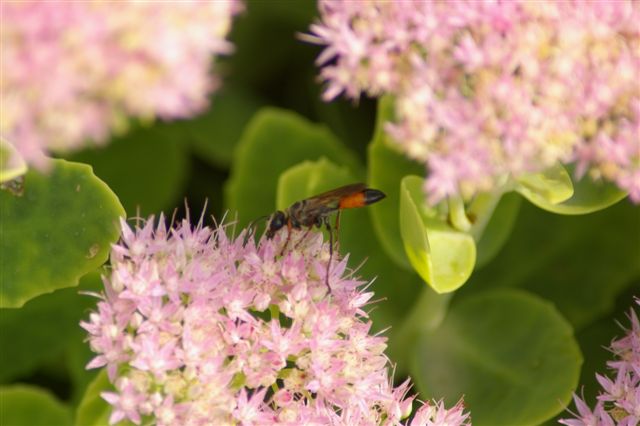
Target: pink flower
(486,91)
(126,402)
(72,72)
(199,328)
(619,402)
(436,415)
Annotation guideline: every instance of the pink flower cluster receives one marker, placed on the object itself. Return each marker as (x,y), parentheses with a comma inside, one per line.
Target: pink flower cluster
(74,71)
(196,328)
(488,90)
(619,403)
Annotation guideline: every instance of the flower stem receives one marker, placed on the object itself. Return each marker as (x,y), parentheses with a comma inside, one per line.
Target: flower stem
(426,315)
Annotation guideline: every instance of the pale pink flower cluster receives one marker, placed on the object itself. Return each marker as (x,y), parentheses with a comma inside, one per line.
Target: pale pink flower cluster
(486,91)
(619,402)
(74,71)
(197,328)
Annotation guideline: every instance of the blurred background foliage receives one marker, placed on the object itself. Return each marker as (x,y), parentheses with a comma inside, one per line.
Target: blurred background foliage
(512,340)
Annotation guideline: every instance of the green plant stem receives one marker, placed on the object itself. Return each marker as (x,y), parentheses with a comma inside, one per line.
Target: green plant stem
(426,314)
(457,214)
(482,209)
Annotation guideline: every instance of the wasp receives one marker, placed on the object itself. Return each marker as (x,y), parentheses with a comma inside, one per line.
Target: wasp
(316,210)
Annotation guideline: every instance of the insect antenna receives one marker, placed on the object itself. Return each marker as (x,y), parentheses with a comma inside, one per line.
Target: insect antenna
(328,225)
(251,229)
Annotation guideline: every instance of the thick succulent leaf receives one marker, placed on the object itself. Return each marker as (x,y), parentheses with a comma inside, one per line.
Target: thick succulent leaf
(444,257)
(77,352)
(60,228)
(549,192)
(580,263)
(546,188)
(511,354)
(497,230)
(24,405)
(12,164)
(387,167)
(310,178)
(48,321)
(273,141)
(215,134)
(147,167)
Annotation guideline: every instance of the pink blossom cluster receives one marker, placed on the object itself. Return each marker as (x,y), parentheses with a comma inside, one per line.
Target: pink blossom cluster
(198,328)
(486,91)
(619,402)
(74,71)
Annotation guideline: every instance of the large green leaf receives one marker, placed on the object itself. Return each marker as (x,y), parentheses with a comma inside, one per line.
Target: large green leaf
(497,230)
(59,229)
(546,188)
(387,167)
(444,257)
(580,263)
(48,321)
(273,141)
(510,354)
(93,410)
(147,167)
(310,178)
(22,405)
(553,191)
(77,352)
(215,134)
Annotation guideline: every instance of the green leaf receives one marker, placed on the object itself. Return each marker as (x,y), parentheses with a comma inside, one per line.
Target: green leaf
(147,167)
(387,167)
(510,354)
(546,188)
(22,405)
(48,321)
(59,229)
(498,228)
(93,410)
(588,196)
(310,178)
(443,256)
(12,164)
(77,352)
(273,141)
(215,134)
(580,263)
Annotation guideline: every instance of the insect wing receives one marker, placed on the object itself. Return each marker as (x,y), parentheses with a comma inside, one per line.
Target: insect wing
(329,201)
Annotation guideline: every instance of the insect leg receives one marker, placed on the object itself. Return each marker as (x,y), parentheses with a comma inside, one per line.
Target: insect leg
(337,228)
(286,243)
(303,237)
(328,225)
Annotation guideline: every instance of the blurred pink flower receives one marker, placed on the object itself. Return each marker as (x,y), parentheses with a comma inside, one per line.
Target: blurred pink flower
(619,401)
(74,71)
(485,90)
(197,328)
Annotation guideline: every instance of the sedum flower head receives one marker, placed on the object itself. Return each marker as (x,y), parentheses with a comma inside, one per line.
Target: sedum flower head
(74,71)
(488,90)
(619,401)
(197,328)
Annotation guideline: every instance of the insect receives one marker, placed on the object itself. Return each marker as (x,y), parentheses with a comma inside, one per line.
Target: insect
(315,211)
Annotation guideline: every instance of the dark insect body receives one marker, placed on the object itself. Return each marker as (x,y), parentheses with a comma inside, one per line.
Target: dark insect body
(315,211)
